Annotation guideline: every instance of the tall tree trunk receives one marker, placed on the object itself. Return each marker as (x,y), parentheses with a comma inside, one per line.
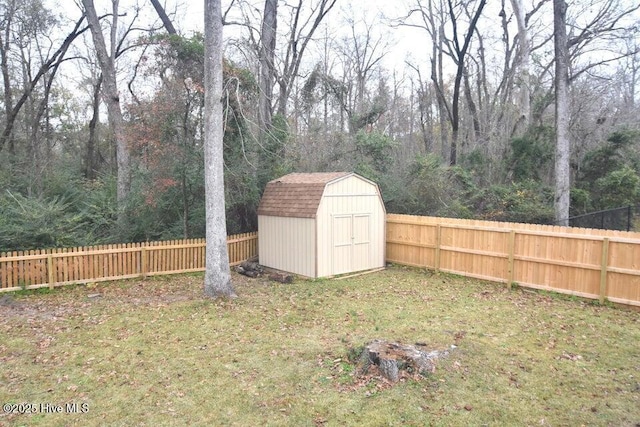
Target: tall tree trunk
(437,76)
(267,71)
(112,98)
(5,44)
(473,109)
(184,187)
(40,158)
(91,167)
(563,150)
(524,64)
(217,277)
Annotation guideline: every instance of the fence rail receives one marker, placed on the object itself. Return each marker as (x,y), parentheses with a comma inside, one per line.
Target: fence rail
(597,264)
(55,267)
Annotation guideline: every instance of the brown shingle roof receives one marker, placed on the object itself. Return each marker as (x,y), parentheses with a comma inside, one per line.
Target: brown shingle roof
(296,195)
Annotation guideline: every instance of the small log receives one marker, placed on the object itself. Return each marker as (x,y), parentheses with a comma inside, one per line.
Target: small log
(251,266)
(281,277)
(250,269)
(251,273)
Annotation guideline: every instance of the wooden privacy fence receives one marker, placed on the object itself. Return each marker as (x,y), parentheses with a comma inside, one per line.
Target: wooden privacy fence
(54,267)
(597,264)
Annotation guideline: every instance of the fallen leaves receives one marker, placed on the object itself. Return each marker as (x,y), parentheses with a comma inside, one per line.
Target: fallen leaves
(570,356)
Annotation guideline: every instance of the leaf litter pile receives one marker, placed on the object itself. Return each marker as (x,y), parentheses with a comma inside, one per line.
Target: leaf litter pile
(157,351)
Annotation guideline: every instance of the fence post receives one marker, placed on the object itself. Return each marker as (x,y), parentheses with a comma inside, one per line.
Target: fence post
(512,248)
(50,269)
(603,269)
(143,262)
(438,238)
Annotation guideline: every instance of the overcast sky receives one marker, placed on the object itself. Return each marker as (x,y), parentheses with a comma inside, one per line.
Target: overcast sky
(405,41)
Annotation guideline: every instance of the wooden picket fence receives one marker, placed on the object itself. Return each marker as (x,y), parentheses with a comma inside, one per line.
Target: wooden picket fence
(599,264)
(55,267)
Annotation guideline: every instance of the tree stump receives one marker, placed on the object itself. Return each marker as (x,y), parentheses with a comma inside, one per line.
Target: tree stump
(392,358)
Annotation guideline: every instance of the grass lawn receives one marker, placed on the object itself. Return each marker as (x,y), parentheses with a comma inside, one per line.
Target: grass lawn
(157,352)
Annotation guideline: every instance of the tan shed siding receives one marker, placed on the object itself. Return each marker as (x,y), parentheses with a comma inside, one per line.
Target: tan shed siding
(351,185)
(354,196)
(287,244)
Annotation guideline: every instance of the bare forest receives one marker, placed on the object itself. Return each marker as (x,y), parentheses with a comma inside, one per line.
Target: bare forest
(510,110)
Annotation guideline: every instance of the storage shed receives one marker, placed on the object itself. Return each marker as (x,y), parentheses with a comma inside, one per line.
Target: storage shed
(321,224)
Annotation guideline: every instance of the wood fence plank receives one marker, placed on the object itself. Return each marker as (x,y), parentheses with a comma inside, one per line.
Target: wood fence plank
(603,269)
(129,261)
(163,259)
(124,265)
(119,262)
(106,266)
(86,272)
(511,254)
(133,260)
(172,252)
(15,277)
(183,256)
(438,244)
(50,271)
(77,262)
(3,272)
(65,266)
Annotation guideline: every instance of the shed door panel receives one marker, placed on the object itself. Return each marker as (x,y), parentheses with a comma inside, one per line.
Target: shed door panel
(351,243)
(361,243)
(342,242)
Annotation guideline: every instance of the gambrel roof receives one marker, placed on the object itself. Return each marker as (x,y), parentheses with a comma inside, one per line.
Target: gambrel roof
(296,195)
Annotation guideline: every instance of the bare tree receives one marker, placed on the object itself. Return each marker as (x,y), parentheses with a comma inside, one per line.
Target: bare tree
(106,59)
(360,55)
(301,33)
(630,73)
(433,19)
(607,29)
(563,148)
(458,52)
(426,122)
(49,65)
(217,278)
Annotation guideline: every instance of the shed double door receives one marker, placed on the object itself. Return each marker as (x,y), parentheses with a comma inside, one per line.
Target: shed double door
(351,243)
